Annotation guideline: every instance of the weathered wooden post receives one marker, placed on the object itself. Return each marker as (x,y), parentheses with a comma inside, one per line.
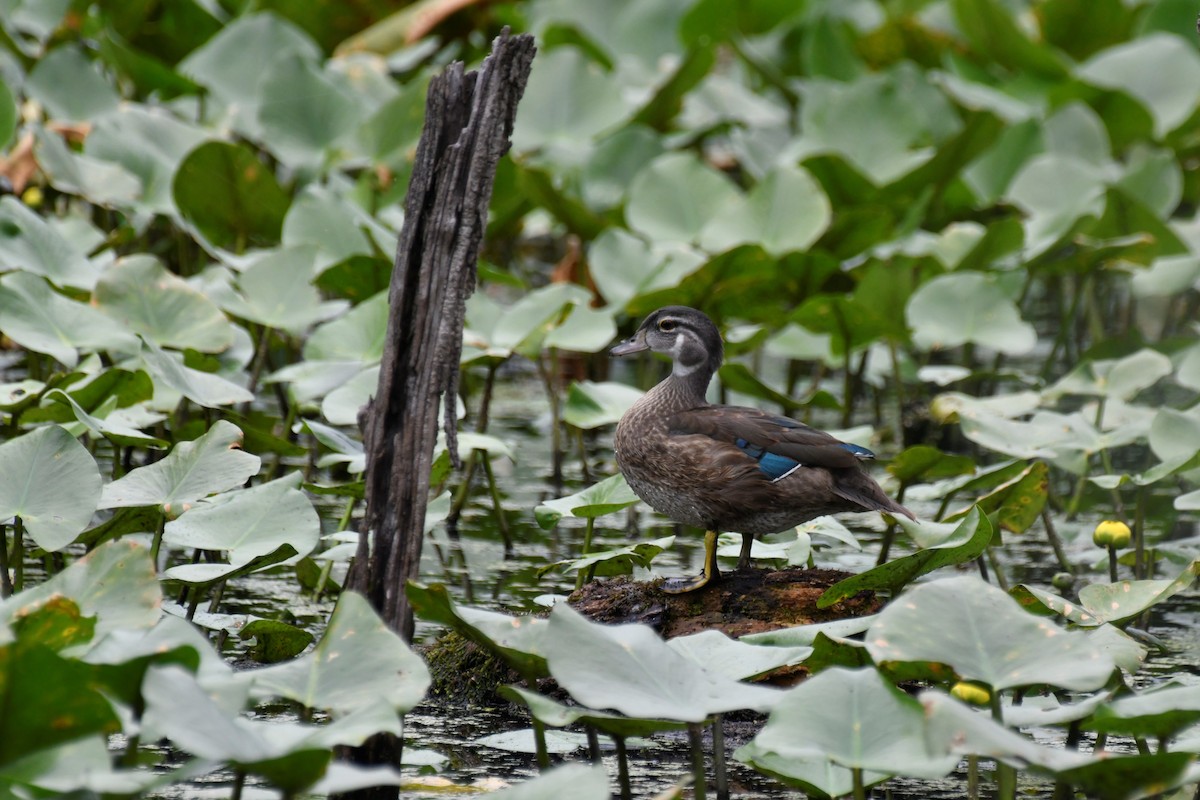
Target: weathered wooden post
(468,123)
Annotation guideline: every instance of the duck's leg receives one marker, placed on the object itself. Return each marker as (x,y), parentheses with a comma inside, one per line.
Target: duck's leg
(744,556)
(708,575)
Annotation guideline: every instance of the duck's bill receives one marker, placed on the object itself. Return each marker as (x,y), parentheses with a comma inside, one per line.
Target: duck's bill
(629,347)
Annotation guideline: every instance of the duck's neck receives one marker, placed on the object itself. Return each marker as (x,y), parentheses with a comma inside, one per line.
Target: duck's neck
(683,389)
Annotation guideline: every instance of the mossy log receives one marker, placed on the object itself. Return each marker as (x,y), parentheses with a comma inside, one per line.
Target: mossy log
(741,603)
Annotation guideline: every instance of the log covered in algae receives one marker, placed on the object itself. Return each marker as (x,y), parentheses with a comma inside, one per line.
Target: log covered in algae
(741,603)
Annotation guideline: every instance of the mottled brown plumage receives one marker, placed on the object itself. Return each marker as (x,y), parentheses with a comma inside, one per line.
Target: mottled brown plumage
(729,468)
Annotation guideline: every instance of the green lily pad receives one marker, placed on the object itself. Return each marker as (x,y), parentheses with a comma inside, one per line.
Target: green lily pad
(30,244)
(592,405)
(70,85)
(519,640)
(630,669)
(139,292)
(1161,71)
(606,497)
(50,481)
(853,719)
(1101,603)
(785,212)
(112,429)
(961,307)
(229,196)
(1161,712)
(35,316)
(203,388)
(303,111)
(940,548)
(358,664)
(586,330)
(101,182)
(246,524)
(735,658)
(981,633)
(192,470)
(617,561)
(115,584)
(676,197)
(557,715)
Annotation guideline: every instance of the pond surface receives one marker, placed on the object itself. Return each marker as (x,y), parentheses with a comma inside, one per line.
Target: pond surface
(477,572)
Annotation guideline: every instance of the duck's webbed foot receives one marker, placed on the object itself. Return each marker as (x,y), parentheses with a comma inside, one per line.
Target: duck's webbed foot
(709,575)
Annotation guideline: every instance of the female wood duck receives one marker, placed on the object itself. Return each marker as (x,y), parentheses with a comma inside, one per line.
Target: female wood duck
(728,468)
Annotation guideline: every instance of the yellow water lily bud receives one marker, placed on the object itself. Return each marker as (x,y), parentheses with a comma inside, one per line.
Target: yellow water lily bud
(1062,581)
(32,196)
(1112,532)
(971,693)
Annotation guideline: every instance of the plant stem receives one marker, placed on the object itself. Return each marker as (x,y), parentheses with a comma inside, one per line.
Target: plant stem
(18,580)
(696,740)
(1001,581)
(623,768)
(1112,563)
(582,577)
(239,781)
(720,775)
(497,508)
(593,740)
(1139,536)
(973,777)
(158,534)
(860,791)
(1055,542)
(6,587)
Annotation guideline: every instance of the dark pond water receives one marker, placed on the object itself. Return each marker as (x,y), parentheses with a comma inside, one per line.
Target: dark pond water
(477,571)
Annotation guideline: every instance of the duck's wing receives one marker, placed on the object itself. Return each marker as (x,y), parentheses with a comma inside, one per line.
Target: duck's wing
(780,445)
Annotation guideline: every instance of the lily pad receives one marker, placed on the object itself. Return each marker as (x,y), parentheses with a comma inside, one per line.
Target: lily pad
(557,715)
(1100,603)
(967,307)
(229,196)
(358,664)
(630,669)
(50,481)
(981,633)
(606,497)
(617,561)
(963,543)
(245,524)
(592,405)
(213,463)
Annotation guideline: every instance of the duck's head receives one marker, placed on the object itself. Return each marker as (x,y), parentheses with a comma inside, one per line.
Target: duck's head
(688,336)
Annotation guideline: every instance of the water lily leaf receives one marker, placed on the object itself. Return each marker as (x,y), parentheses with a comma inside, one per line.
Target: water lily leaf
(805,635)
(1017,503)
(734,658)
(922,462)
(246,524)
(676,197)
(591,405)
(32,675)
(1161,71)
(519,640)
(982,633)
(35,316)
(557,715)
(341,406)
(115,583)
(606,497)
(941,548)
(624,266)
(568,101)
(345,449)
(586,330)
(1056,190)
(854,719)
(213,463)
(1161,712)
(954,728)
(796,551)
(163,308)
(961,307)
(202,388)
(70,85)
(276,290)
(101,182)
(303,111)
(229,196)
(618,561)
(1120,777)
(630,669)
(149,143)
(785,212)
(329,223)
(112,429)
(818,777)
(30,244)
(359,663)
(996,33)
(1100,603)
(50,481)
(356,336)
(8,115)
(1120,378)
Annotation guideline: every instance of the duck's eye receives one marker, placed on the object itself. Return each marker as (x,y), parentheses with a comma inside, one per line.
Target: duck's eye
(666,325)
